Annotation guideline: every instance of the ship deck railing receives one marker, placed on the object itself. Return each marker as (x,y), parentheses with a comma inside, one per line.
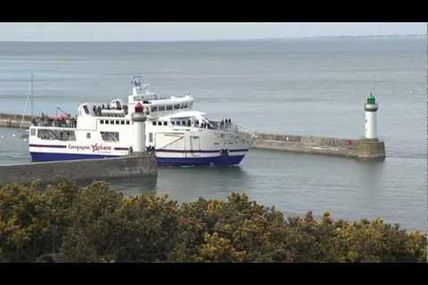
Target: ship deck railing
(54,124)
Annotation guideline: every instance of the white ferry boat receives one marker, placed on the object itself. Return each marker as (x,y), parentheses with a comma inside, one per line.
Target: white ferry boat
(169,126)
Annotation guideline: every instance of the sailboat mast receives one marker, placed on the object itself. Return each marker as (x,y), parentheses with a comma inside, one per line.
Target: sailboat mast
(31,94)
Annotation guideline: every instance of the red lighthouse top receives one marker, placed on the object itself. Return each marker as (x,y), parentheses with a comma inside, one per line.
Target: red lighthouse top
(139,108)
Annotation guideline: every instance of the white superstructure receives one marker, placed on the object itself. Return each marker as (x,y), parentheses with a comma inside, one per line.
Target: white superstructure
(178,134)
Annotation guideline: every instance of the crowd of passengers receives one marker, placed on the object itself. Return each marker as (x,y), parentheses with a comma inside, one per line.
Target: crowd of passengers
(59,121)
(223,124)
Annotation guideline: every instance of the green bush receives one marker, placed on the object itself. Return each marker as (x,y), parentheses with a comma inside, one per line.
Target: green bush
(64,222)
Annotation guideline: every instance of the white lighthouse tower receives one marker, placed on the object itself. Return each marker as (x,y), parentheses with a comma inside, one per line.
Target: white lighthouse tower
(136,109)
(370,108)
(138,124)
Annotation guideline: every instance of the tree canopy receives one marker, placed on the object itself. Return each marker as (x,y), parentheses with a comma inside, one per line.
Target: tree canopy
(68,223)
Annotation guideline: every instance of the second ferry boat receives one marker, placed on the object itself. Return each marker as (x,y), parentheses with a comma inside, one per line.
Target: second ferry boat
(169,126)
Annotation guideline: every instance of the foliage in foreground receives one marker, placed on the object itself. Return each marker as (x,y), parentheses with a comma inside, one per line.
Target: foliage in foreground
(68,223)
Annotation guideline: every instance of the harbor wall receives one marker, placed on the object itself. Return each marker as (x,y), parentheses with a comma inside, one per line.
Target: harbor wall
(80,170)
(353,148)
(15,120)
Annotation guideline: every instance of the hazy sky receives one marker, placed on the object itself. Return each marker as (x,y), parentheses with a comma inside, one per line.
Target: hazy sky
(195,31)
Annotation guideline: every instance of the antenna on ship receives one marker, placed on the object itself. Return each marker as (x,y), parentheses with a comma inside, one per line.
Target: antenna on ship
(136,82)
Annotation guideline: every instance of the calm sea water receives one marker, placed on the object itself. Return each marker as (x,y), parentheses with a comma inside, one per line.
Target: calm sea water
(305,86)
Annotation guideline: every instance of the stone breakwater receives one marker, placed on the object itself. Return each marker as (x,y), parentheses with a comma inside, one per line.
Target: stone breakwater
(140,165)
(353,148)
(15,121)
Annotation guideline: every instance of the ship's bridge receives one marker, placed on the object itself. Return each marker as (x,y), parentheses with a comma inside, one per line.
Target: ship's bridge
(115,108)
(141,93)
(155,106)
(192,118)
(186,114)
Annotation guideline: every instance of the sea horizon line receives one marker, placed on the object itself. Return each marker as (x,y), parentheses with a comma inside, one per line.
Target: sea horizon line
(222,39)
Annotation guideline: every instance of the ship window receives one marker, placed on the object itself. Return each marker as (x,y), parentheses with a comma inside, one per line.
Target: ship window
(185,105)
(127,122)
(102,122)
(88,135)
(154,123)
(107,122)
(85,107)
(169,107)
(117,123)
(159,123)
(111,122)
(177,106)
(61,135)
(161,108)
(33,132)
(154,108)
(150,137)
(173,123)
(165,123)
(122,122)
(110,136)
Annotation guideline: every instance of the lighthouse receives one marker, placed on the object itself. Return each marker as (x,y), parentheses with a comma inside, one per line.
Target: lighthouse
(370,108)
(138,124)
